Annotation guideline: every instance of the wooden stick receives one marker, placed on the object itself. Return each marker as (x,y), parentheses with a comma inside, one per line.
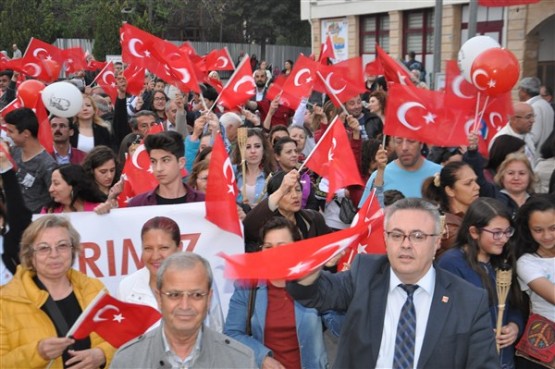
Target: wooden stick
(242,135)
(503,278)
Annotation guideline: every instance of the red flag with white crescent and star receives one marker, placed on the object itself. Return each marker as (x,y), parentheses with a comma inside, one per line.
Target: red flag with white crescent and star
(333,159)
(218,59)
(75,59)
(418,114)
(326,51)
(370,241)
(394,71)
(292,261)
(302,78)
(240,87)
(116,321)
(135,76)
(139,172)
(285,99)
(221,191)
(459,93)
(107,80)
(341,81)
(45,131)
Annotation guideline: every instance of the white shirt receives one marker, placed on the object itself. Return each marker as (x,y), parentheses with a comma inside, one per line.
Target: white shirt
(395,300)
(529,268)
(529,148)
(85,143)
(543,123)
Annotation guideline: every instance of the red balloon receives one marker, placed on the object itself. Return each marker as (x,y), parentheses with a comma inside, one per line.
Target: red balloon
(495,71)
(29,92)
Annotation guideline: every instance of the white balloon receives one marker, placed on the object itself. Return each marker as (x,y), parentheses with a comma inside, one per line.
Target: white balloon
(62,99)
(470,50)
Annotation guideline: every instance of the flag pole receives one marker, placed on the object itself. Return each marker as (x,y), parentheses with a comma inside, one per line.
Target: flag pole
(243,61)
(328,130)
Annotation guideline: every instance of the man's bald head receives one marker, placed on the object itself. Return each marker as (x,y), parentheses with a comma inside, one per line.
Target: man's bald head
(523,118)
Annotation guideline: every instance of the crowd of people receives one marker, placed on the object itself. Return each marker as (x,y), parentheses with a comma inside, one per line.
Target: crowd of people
(453,217)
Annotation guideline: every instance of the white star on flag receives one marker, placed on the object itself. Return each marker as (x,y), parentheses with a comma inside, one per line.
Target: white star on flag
(430,117)
(118,317)
(491,83)
(301,266)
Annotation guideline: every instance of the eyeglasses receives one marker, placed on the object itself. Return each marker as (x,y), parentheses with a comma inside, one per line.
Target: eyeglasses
(498,234)
(44,249)
(527,116)
(178,295)
(415,237)
(159,99)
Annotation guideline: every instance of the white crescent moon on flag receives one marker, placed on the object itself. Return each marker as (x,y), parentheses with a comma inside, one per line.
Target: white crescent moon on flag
(244,79)
(38,50)
(135,157)
(106,75)
(402,114)
(456,87)
(335,91)
(36,69)
(225,62)
(299,74)
(492,117)
(332,149)
(132,47)
(478,72)
(97,317)
(185,75)
(468,125)
(230,181)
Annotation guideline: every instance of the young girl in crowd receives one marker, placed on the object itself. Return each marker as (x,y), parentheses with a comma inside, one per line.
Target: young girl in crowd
(481,246)
(536,258)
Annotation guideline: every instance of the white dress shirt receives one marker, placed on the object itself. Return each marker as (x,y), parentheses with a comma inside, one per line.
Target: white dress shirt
(395,300)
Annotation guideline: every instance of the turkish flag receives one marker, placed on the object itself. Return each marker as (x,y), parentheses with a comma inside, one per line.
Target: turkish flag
(95,65)
(75,59)
(302,78)
(292,261)
(45,70)
(286,99)
(116,321)
(341,81)
(496,115)
(138,171)
(45,131)
(127,192)
(219,59)
(221,191)
(333,158)
(240,87)
(459,93)
(155,128)
(137,45)
(15,104)
(374,68)
(107,80)
(135,76)
(40,50)
(418,114)
(394,71)
(188,49)
(175,67)
(326,51)
(491,3)
(371,240)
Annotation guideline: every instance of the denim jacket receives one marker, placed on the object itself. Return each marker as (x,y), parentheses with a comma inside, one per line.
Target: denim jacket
(307,320)
(259,187)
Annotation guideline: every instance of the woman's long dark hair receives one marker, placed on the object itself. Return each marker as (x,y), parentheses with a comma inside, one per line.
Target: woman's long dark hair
(479,215)
(526,243)
(83,187)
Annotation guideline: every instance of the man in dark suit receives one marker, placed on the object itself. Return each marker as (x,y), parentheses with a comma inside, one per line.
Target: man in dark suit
(450,318)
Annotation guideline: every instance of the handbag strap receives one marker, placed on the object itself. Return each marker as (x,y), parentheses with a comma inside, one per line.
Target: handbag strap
(250,309)
(53,310)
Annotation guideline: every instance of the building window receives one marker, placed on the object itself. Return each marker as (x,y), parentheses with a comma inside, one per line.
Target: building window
(374,29)
(418,31)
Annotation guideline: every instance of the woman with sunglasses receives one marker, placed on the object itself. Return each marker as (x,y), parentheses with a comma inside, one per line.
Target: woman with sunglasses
(482,245)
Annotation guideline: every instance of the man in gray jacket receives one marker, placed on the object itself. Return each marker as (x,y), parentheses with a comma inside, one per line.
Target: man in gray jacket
(184,290)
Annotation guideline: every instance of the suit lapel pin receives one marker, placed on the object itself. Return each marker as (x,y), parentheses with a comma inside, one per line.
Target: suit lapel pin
(445,299)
